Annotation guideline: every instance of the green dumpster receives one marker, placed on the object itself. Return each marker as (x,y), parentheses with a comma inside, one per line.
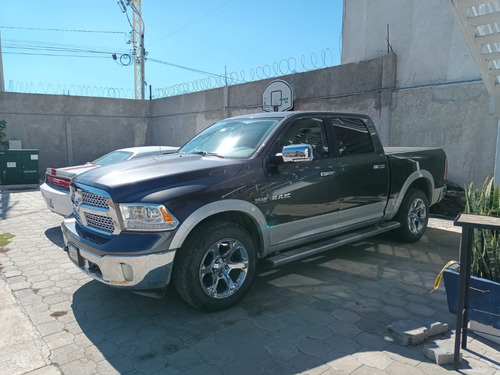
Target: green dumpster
(18,167)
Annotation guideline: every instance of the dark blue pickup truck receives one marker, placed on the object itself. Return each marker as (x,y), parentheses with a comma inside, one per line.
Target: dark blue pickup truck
(279,186)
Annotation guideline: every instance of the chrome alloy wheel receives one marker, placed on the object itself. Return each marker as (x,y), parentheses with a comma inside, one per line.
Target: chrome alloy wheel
(417,216)
(224,268)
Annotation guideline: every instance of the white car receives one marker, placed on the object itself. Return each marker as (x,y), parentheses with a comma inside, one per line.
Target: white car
(55,189)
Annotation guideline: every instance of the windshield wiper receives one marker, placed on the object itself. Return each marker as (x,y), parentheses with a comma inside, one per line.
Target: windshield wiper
(206,153)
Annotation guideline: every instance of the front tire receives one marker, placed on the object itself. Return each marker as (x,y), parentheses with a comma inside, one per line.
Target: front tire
(215,267)
(413,215)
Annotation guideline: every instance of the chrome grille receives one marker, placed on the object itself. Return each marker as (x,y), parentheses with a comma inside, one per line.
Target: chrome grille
(102,223)
(94,200)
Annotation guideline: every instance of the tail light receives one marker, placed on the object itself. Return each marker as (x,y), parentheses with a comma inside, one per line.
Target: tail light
(53,179)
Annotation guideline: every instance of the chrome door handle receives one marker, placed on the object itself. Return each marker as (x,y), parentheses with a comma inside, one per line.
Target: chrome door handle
(324,174)
(379,166)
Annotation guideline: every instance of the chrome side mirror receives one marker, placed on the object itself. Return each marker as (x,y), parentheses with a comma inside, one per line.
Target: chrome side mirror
(297,153)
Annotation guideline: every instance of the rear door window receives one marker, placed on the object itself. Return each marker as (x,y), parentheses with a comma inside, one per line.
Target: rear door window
(351,136)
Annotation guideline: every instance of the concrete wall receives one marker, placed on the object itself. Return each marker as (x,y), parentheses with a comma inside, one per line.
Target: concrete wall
(453,117)
(70,130)
(423,34)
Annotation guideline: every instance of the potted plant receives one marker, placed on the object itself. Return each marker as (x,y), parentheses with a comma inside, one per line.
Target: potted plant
(484,293)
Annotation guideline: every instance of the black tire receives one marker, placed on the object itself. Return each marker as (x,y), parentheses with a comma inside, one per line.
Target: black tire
(204,277)
(413,215)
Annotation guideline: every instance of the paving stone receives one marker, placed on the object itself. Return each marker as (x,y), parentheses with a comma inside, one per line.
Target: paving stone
(342,345)
(397,368)
(79,367)
(66,354)
(308,364)
(12,274)
(420,309)
(411,355)
(274,366)
(185,359)
(374,359)
(341,365)
(59,339)
(374,325)
(250,351)
(20,285)
(122,364)
(150,362)
(441,354)
(282,349)
(204,368)
(345,329)
(371,341)
(409,332)
(50,327)
(217,355)
(241,368)
(312,346)
(346,316)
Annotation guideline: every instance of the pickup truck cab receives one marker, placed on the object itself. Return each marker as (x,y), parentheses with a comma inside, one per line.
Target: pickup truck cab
(280,186)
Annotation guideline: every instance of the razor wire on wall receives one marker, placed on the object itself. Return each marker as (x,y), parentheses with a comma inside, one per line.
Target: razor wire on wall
(290,65)
(74,90)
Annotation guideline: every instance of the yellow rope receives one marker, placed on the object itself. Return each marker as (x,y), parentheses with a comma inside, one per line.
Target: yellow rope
(437,282)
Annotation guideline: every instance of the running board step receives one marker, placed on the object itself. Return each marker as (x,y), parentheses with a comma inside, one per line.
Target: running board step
(331,243)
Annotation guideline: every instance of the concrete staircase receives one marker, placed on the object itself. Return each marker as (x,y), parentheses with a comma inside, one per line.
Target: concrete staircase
(479,21)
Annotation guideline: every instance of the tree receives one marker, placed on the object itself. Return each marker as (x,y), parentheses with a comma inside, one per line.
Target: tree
(3,125)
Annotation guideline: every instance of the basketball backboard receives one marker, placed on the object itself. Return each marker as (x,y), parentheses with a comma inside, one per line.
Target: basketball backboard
(277,96)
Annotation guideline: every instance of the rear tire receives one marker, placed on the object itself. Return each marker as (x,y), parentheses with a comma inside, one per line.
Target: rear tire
(215,267)
(413,215)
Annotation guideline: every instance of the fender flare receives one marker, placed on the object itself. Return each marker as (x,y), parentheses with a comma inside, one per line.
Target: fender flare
(394,203)
(218,207)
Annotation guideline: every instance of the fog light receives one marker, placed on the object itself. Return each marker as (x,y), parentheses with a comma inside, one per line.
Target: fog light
(128,273)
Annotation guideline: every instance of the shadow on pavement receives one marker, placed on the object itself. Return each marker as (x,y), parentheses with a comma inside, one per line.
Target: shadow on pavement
(55,235)
(4,203)
(297,317)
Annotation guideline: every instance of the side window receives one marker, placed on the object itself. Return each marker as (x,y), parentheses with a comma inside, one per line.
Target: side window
(351,135)
(310,131)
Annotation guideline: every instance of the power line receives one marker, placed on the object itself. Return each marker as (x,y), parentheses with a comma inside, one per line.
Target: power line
(184,67)
(190,23)
(57,47)
(63,30)
(56,55)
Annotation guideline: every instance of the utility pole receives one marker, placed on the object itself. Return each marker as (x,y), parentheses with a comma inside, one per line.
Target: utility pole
(2,82)
(139,53)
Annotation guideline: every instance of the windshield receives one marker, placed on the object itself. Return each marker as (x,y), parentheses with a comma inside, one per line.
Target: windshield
(233,138)
(113,157)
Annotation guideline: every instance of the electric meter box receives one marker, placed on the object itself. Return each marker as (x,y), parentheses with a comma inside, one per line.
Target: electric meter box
(19,167)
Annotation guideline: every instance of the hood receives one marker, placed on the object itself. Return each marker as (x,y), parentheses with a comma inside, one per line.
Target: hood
(132,180)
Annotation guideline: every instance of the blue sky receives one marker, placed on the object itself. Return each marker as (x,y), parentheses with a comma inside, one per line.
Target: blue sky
(212,36)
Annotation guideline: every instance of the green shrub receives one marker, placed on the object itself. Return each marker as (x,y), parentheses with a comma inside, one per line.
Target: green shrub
(486,243)
(3,125)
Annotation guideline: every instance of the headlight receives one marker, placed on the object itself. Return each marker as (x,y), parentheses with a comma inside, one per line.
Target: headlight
(147,217)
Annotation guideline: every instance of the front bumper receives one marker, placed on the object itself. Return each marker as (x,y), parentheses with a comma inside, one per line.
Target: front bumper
(141,272)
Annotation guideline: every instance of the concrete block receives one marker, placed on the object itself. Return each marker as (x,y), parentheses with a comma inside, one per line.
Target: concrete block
(408,332)
(436,328)
(442,354)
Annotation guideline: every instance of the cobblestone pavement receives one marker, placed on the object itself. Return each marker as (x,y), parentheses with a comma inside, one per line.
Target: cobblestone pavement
(323,315)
